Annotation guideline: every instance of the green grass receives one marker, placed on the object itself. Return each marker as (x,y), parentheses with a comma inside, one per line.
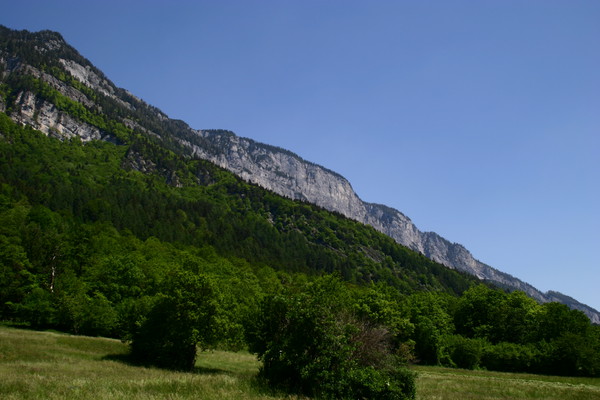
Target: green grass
(49,365)
(448,384)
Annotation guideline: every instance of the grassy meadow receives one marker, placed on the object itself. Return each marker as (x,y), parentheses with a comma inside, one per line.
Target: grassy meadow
(457,384)
(49,365)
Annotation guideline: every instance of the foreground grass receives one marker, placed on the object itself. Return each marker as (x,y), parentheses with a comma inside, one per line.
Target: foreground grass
(449,384)
(47,365)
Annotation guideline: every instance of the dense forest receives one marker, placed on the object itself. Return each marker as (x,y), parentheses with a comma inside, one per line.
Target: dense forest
(181,254)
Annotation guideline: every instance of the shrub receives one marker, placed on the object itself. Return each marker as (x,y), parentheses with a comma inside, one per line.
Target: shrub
(182,317)
(465,352)
(391,384)
(310,342)
(511,357)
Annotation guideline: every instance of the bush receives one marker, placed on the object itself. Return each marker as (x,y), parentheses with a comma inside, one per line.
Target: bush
(465,352)
(310,342)
(182,317)
(369,383)
(512,357)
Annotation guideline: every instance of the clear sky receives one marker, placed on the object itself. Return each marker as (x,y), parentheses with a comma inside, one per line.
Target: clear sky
(480,120)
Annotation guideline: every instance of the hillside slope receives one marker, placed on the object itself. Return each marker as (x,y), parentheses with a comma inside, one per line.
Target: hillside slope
(289,175)
(51,87)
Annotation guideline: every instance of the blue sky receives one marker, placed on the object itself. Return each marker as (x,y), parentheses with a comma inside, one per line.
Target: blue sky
(480,120)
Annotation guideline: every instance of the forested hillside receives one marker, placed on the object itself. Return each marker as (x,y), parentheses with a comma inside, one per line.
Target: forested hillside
(106,229)
(59,196)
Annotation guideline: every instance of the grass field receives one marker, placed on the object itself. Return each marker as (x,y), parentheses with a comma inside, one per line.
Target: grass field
(447,383)
(47,365)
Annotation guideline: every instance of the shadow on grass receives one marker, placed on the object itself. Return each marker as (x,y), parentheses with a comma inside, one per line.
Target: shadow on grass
(124,358)
(127,359)
(258,384)
(210,371)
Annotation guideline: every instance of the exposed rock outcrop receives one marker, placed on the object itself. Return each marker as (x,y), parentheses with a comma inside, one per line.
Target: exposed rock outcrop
(45,117)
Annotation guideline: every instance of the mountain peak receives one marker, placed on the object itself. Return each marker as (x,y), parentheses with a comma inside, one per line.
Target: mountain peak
(45,40)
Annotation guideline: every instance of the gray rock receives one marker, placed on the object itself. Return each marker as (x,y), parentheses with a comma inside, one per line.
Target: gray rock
(45,117)
(88,77)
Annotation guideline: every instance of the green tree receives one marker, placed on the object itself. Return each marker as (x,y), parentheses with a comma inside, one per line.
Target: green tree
(515,318)
(184,316)
(16,279)
(15,276)
(555,319)
(430,314)
(477,312)
(37,308)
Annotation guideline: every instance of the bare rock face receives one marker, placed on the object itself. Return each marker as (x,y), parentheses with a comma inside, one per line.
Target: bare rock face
(88,77)
(280,171)
(45,117)
(394,224)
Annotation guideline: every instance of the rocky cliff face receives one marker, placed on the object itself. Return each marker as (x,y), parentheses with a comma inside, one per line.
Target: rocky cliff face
(273,168)
(45,117)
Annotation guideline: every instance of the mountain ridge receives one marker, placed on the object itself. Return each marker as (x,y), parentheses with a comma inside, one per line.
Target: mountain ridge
(271,167)
(383,218)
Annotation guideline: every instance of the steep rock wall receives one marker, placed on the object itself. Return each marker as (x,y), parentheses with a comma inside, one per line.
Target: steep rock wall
(45,117)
